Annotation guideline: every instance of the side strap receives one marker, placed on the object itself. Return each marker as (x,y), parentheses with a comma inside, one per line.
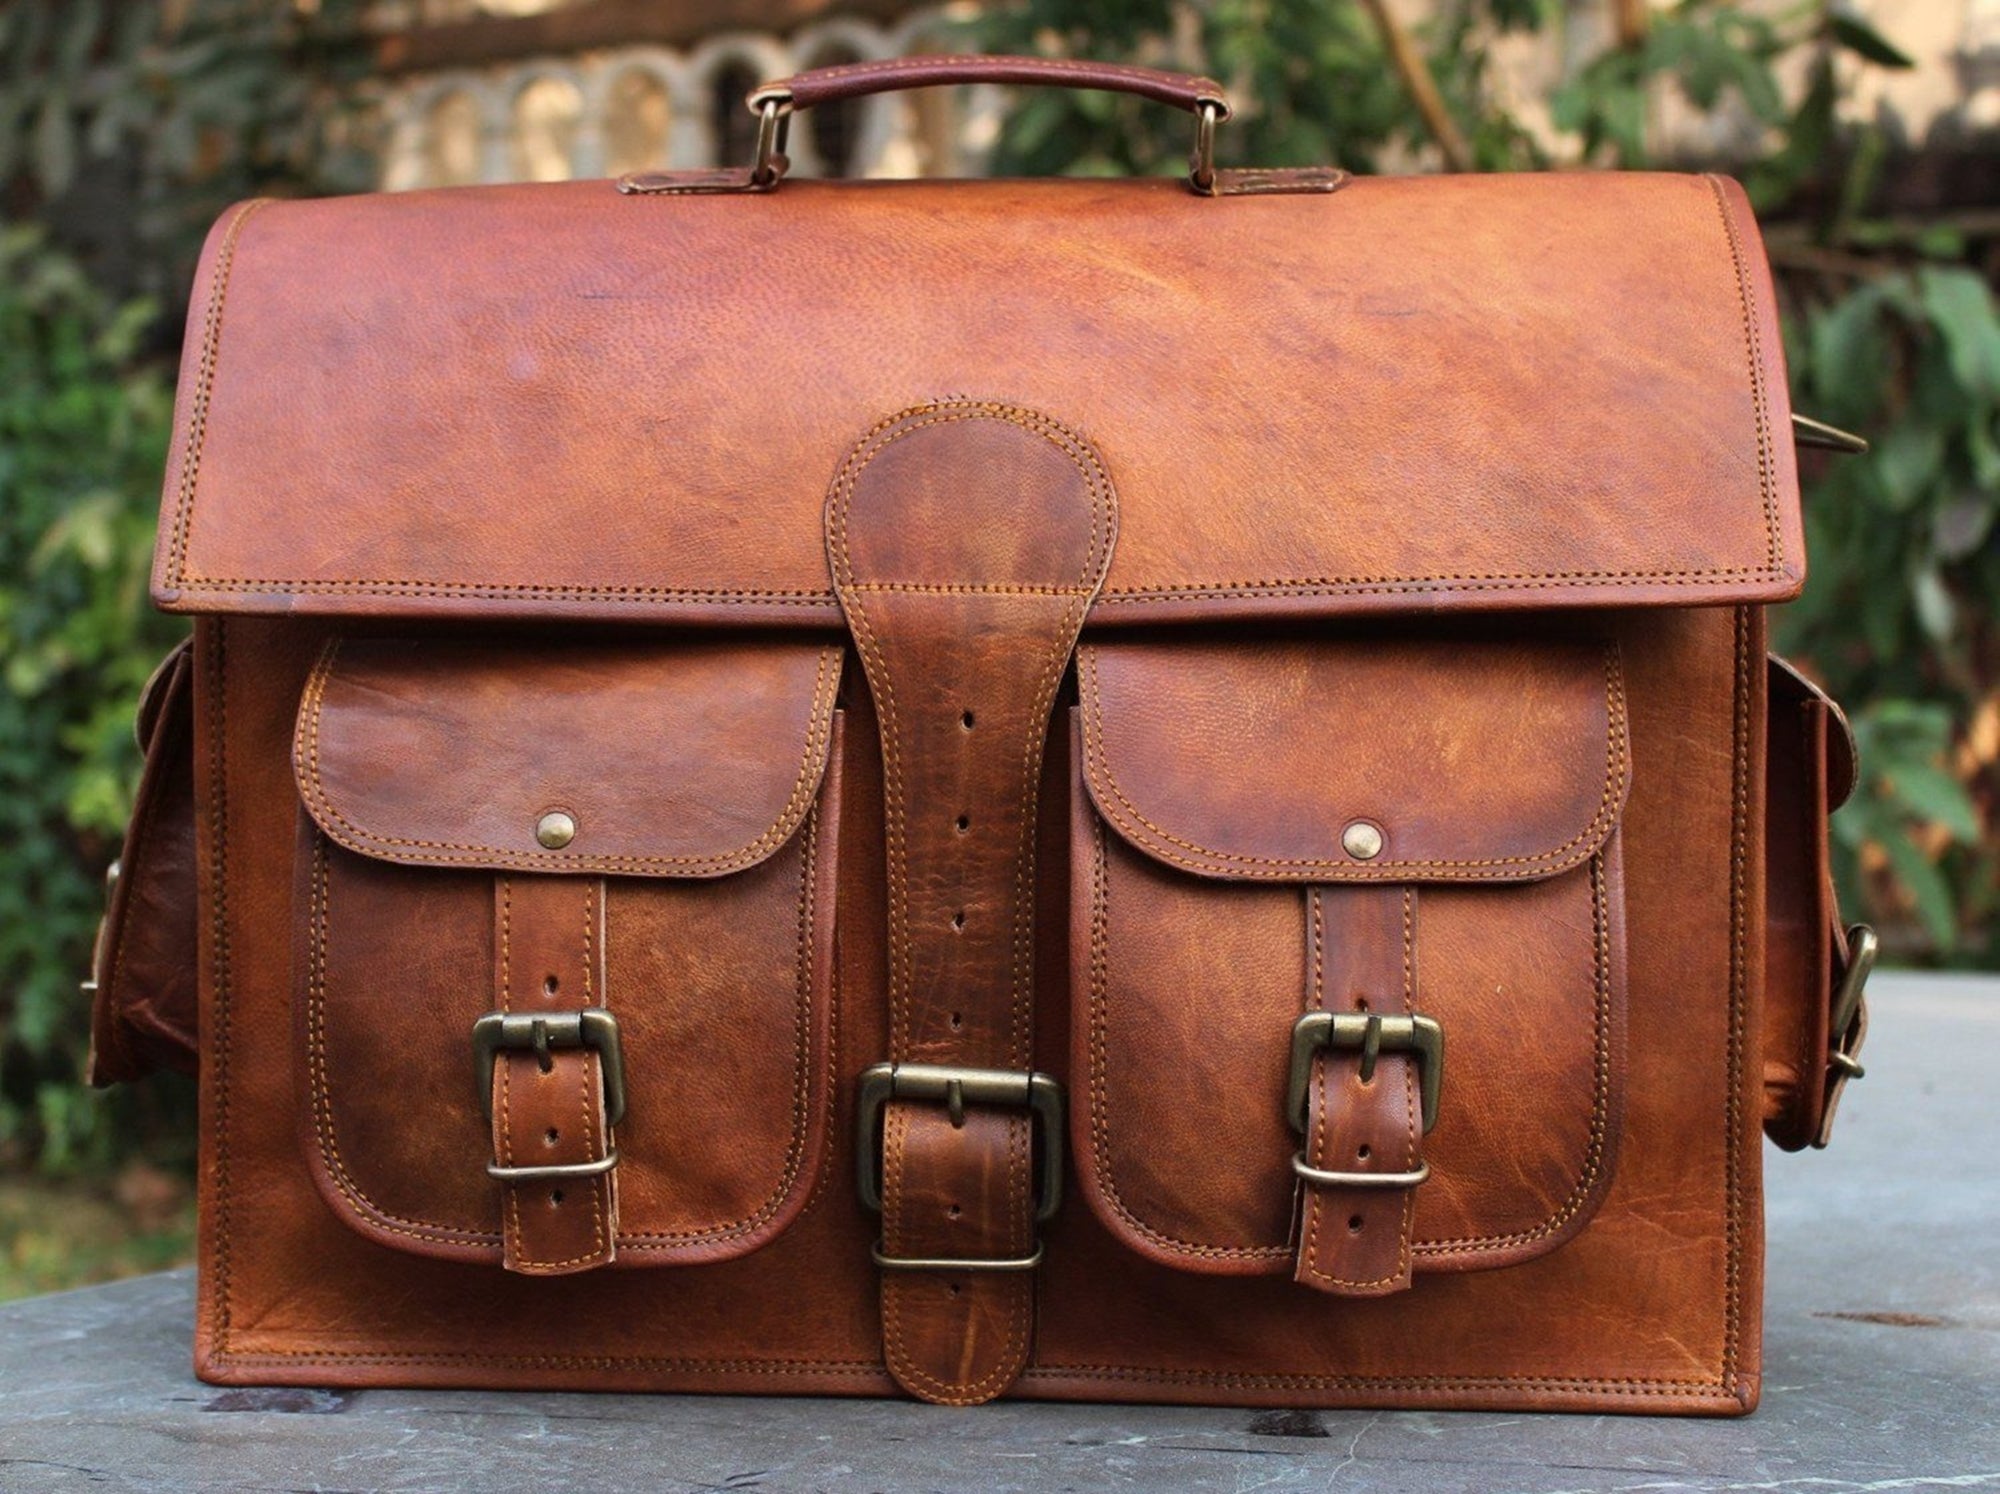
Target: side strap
(1815,1012)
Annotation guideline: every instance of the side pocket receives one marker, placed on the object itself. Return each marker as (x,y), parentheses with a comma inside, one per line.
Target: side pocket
(1810,771)
(143,979)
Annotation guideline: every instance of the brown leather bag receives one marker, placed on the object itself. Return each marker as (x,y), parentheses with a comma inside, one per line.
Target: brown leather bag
(1114,790)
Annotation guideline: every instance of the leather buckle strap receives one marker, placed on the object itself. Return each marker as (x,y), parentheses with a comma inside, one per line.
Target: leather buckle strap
(955,1087)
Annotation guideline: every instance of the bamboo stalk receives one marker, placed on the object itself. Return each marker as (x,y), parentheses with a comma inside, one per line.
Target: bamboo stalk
(1416,76)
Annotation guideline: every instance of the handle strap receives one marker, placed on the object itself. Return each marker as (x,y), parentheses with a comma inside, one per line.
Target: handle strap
(828,85)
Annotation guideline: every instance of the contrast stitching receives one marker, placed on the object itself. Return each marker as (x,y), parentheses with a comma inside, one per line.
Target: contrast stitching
(1774,553)
(1018,1296)
(1590,1167)
(219,1047)
(1420,1383)
(204,385)
(306,761)
(1130,820)
(1410,1135)
(600,1188)
(1739,933)
(1100,1059)
(1596,1146)
(566,1361)
(648,1241)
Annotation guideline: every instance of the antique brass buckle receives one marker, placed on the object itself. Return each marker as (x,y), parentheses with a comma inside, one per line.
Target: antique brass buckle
(955,1088)
(540,1033)
(1371,1035)
(1862,947)
(1850,1012)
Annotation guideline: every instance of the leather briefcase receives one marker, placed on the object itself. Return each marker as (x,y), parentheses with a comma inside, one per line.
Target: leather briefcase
(1129,790)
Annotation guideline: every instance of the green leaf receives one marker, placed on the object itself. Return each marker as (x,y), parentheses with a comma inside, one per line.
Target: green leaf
(1906,462)
(1857,36)
(1961,306)
(1927,889)
(1937,614)
(1933,795)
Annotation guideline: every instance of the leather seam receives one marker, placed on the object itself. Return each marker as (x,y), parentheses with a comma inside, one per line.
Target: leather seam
(410,851)
(1739,917)
(1774,549)
(1112,597)
(1159,842)
(219,1045)
(1610,1386)
(204,387)
(1100,1108)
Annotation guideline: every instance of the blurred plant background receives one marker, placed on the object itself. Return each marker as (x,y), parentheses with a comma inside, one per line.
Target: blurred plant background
(126,127)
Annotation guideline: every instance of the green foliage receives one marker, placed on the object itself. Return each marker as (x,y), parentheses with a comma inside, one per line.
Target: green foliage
(1905,580)
(125,129)
(1900,609)
(132,126)
(83,436)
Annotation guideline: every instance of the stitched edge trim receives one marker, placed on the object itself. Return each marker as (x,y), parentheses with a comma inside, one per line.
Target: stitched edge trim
(1132,823)
(412,852)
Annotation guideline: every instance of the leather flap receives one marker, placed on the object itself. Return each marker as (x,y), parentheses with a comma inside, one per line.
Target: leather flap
(1490,761)
(1546,391)
(693,758)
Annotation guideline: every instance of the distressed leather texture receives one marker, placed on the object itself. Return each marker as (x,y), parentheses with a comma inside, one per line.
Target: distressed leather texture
(1072,629)
(143,985)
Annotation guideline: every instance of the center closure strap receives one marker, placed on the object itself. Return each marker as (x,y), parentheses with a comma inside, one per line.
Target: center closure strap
(967,540)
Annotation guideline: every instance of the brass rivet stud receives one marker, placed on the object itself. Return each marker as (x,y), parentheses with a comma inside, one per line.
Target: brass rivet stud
(1362,841)
(555,830)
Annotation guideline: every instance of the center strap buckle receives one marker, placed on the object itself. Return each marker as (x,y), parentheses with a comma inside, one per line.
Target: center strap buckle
(540,1033)
(1369,1034)
(955,1088)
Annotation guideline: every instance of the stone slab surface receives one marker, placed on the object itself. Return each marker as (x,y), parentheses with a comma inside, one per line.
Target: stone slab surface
(1882,1370)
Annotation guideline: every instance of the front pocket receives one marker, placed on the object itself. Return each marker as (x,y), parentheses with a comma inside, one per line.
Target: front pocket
(1415,827)
(651,824)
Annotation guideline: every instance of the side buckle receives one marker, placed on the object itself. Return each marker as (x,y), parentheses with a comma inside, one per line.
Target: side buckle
(541,1033)
(1369,1034)
(1849,1021)
(955,1088)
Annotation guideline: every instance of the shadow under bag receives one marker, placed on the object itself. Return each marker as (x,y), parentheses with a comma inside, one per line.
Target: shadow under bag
(1116,790)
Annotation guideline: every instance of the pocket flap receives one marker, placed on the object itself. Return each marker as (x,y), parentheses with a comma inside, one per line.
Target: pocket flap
(690,761)
(1492,761)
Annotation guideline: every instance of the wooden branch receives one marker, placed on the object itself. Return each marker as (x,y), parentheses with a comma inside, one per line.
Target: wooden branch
(1416,75)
